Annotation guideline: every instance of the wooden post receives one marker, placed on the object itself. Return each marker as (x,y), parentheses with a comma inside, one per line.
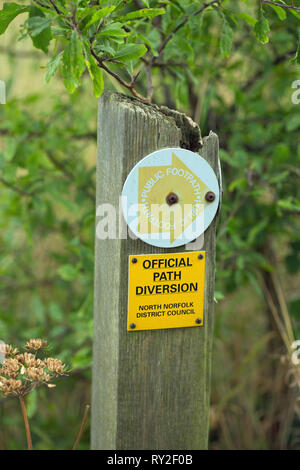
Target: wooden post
(150,388)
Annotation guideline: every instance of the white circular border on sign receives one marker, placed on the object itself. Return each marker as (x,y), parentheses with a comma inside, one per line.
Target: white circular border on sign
(130,197)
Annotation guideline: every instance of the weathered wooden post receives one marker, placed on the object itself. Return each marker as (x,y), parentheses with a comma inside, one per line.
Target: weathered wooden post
(150,388)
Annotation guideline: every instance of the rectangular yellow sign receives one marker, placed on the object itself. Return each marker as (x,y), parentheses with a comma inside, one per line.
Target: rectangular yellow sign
(166,290)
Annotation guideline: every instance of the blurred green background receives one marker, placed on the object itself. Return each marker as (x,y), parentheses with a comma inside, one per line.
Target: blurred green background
(47,194)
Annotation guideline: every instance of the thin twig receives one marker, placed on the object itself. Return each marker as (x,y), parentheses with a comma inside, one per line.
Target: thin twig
(86,412)
(129,86)
(22,192)
(59,165)
(148,68)
(282,5)
(55,7)
(42,5)
(26,422)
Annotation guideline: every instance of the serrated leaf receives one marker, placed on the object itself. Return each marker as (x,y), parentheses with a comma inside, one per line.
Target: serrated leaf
(113,30)
(97,78)
(39,29)
(73,63)
(226,40)
(9,13)
(143,13)
(95,72)
(98,15)
(42,40)
(52,66)
(262,29)
(37,25)
(131,52)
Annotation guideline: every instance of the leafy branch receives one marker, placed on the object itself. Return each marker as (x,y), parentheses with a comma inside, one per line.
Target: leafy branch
(117,38)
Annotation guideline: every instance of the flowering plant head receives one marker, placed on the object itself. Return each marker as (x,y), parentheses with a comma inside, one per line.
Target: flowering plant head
(20,373)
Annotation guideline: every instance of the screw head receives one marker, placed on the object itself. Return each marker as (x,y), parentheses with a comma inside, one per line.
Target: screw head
(210,196)
(171,199)
(134,260)
(198,321)
(200,256)
(132,326)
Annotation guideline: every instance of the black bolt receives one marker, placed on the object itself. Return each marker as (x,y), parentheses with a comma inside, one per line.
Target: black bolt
(198,321)
(171,199)
(132,326)
(200,256)
(134,260)
(210,196)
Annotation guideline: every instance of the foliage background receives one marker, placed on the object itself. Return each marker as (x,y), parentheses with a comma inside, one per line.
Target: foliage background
(47,190)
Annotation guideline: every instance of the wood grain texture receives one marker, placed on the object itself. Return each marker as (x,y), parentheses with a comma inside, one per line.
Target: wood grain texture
(150,388)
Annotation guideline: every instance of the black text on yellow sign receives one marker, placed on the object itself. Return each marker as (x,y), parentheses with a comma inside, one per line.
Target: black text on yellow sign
(166,291)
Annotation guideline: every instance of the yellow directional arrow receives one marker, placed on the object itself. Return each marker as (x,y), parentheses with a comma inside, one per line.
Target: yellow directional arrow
(155,184)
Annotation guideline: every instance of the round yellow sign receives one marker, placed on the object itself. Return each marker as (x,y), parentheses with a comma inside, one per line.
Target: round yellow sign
(170,197)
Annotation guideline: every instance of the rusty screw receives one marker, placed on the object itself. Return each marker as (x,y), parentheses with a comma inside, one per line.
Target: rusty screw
(210,196)
(171,199)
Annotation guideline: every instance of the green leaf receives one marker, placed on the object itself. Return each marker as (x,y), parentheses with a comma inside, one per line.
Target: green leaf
(293,123)
(37,24)
(247,18)
(226,40)
(239,183)
(9,13)
(41,34)
(113,30)
(262,29)
(42,40)
(289,204)
(230,18)
(143,13)
(131,52)
(281,13)
(73,63)
(296,59)
(98,15)
(95,73)
(149,44)
(55,312)
(39,29)
(52,66)
(295,13)
(67,272)
(97,77)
